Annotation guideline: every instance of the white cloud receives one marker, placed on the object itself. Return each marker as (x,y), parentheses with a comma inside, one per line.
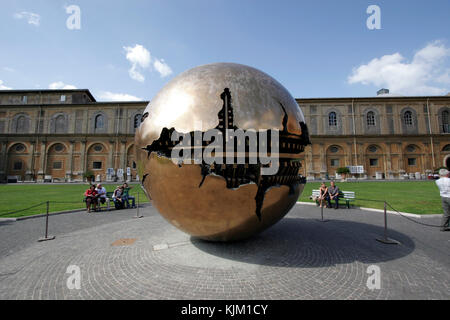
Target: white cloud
(3,87)
(8,69)
(141,59)
(424,75)
(162,67)
(61,85)
(444,78)
(110,96)
(32,18)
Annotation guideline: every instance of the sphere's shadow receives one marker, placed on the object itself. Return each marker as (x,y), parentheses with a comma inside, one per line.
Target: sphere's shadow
(308,243)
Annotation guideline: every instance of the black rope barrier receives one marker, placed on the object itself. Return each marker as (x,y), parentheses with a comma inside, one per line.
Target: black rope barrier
(408,218)
(402,215)
(21,210)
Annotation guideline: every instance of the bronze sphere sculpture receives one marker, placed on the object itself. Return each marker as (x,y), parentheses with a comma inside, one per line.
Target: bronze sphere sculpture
(218,151)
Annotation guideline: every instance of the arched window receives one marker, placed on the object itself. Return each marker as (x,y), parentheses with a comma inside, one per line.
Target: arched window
(373,148)
(137,120)
(370,118)
(445,122)
(60,124)
(408,118)
(99,122)
(332,119)
(58,147)
(446,148)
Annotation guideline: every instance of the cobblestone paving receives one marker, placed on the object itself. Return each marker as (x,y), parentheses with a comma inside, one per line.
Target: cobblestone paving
(298,258)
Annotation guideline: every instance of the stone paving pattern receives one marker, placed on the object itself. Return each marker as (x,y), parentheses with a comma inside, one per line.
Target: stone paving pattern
(298,258)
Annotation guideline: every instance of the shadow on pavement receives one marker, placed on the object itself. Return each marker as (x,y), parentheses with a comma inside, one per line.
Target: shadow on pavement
(308,243)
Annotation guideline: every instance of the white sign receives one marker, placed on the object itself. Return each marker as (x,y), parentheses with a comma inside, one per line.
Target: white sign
(356,169)
(120,172)
(128,171)
(110,171)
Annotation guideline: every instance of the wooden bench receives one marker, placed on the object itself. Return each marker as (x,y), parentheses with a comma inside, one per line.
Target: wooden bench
(108,200)
(347,196)
(107,203)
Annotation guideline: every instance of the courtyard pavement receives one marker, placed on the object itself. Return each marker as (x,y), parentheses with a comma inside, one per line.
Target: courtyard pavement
(121,257)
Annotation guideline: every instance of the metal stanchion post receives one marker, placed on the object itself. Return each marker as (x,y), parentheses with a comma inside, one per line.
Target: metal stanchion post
(46,238)
(385,238)
(137,208)
(321,214)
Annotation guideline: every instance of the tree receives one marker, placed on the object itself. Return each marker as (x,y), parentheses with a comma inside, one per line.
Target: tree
(89,175)
(343,170)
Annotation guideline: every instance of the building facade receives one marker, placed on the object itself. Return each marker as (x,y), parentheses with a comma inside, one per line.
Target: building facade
(66,135)
(389,137)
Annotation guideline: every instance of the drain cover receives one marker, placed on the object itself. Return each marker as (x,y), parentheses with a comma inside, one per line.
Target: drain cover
(123,242)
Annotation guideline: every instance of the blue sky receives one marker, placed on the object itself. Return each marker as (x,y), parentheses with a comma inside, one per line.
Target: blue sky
(131,49)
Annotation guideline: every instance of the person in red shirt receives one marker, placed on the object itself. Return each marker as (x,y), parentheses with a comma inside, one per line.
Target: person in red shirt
(91,198)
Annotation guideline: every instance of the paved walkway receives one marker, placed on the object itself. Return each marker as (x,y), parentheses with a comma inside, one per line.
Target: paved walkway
(298,258)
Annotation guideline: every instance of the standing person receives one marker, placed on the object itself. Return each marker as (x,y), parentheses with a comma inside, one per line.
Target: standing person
(126,196)
(333,194)
(91,198)
(323,196)
(444,188)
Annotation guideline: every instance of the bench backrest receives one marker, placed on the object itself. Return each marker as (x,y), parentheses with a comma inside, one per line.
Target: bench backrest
(345,194)
(348,194)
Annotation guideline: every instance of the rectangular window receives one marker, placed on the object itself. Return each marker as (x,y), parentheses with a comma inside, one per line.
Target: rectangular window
(97,165)
(63,98)
(18,165)
(24,99)
(373,162)
(335,162)
(57,165)
(412,161)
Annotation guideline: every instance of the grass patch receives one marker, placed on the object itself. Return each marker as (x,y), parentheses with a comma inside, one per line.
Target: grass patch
(14,197)
(420,197)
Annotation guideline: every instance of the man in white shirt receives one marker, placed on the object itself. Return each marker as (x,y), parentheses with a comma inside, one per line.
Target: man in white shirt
(102,198)
(444,188)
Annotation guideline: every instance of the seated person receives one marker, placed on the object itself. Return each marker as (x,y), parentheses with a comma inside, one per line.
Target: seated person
(126,196)
(102,198)
(333,194)
(323,196)
(117,197)
(91,198)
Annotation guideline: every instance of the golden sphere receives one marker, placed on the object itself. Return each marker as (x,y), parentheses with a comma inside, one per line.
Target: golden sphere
(228,193)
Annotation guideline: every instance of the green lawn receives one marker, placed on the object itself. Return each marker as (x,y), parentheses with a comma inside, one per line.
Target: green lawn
(415,197)
(15,197)
(421,197)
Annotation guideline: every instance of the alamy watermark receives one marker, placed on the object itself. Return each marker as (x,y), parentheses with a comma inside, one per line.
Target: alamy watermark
(73,22)
(231,146)
(74,280)
(374,20)
(374,279)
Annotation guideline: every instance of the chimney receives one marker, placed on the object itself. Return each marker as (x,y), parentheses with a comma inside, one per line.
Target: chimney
(382,91)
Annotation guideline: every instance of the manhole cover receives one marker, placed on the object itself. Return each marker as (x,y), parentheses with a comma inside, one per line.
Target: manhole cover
(123,242)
